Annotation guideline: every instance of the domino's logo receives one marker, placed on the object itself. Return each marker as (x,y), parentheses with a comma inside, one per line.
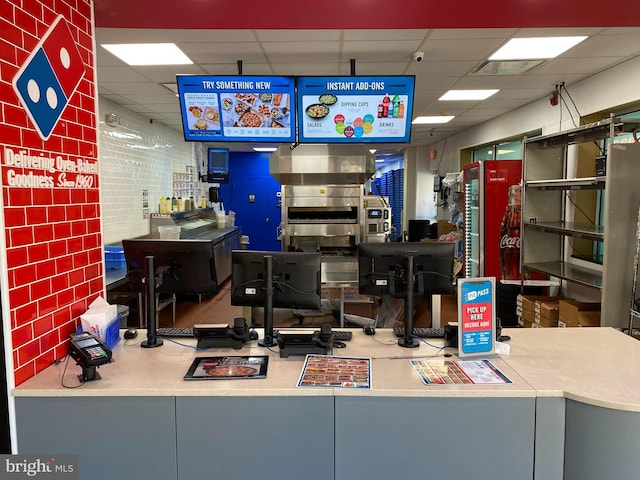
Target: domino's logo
(49,77)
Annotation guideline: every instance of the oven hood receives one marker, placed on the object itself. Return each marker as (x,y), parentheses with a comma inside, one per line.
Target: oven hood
(333,164)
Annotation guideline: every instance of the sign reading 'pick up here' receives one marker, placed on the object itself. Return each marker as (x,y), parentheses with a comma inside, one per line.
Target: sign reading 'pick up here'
(477,316)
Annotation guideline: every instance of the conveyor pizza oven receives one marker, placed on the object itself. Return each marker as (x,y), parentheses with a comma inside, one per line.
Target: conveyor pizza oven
(324,216)
(322,202)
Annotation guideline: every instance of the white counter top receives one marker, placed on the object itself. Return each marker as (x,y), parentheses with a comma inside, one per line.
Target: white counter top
(599,366)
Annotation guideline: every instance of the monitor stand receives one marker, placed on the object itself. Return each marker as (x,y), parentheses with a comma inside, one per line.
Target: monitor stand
(152,340)
(268,340)
(408,340)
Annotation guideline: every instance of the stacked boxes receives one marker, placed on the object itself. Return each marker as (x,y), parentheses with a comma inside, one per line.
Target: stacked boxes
(535,311)
(547,312)
(579,314)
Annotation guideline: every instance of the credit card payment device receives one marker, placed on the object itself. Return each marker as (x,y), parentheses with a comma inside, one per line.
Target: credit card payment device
(89,352)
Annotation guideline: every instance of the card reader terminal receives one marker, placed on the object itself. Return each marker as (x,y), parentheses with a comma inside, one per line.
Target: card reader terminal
(89,352)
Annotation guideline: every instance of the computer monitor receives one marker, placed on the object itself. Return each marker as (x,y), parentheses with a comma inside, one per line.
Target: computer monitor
(405,270)
(275,280)
(181,266)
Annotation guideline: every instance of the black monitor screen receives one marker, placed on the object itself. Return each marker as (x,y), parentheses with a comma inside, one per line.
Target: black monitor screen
(382,268)
(182,266)
(296,279)
(218,165)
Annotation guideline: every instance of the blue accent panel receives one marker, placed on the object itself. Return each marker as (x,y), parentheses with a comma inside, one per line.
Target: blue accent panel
(249,175)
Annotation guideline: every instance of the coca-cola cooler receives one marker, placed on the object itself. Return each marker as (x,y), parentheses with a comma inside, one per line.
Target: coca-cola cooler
(486,198)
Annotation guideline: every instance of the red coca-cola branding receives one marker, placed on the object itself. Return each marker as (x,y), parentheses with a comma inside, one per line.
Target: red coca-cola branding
(510,237)
(509,242)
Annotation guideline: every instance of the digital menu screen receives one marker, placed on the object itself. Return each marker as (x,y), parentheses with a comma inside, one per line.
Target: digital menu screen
(353,109)
(237,108)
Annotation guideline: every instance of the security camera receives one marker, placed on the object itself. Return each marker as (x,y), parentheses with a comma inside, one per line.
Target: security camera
(418,56)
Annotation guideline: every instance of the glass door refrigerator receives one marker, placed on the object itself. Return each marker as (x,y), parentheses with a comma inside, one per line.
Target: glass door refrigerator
(486,193)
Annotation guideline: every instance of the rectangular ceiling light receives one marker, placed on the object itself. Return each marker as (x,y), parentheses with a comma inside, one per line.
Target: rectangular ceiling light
(506,67)
(264,149)
(149,53)
(467,94)
(535,47)
(434,119)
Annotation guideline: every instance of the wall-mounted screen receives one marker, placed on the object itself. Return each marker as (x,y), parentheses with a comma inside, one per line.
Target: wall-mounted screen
(237,108)
(218,165)
(355,109)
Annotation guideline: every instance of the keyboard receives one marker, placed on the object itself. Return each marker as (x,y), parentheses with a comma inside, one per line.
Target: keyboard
(421,332)
(174,332)
(342,335)
(339,335)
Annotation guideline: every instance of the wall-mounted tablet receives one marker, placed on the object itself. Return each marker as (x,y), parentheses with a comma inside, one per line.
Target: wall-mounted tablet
(237,108)
(355,109)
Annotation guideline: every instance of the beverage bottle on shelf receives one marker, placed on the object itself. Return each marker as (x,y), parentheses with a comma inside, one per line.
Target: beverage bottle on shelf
(385,105)
(174,204)
(510,237)
(396,106)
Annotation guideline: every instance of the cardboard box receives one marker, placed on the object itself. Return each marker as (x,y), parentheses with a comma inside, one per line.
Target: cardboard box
(579,314)
(528,315)
(549,309)
(362,309)
(445,227)
(542,310)
(545,322)
(528,302)
(547,312)
(524,323)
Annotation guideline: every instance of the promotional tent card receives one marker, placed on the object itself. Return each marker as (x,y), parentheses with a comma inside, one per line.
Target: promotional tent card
(463,372)
(477,316)
(335,372)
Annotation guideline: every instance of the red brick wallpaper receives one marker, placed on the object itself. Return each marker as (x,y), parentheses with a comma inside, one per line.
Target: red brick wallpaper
(50,182)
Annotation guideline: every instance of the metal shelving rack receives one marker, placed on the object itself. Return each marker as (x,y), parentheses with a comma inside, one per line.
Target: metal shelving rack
(634,311)
(546,226)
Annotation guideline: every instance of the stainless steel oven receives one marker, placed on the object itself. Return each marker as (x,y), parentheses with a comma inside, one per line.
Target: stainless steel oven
(324,218)
(322,203)
(376,223)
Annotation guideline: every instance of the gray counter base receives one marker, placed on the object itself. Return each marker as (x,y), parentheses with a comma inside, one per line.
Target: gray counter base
(382,438)
(598,442)
(114,437)
(244,438)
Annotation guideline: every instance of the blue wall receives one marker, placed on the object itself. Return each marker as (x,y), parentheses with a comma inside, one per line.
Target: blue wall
(249,176)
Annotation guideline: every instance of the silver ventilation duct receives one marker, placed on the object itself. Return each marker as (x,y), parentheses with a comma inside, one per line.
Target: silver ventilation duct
(322,165)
